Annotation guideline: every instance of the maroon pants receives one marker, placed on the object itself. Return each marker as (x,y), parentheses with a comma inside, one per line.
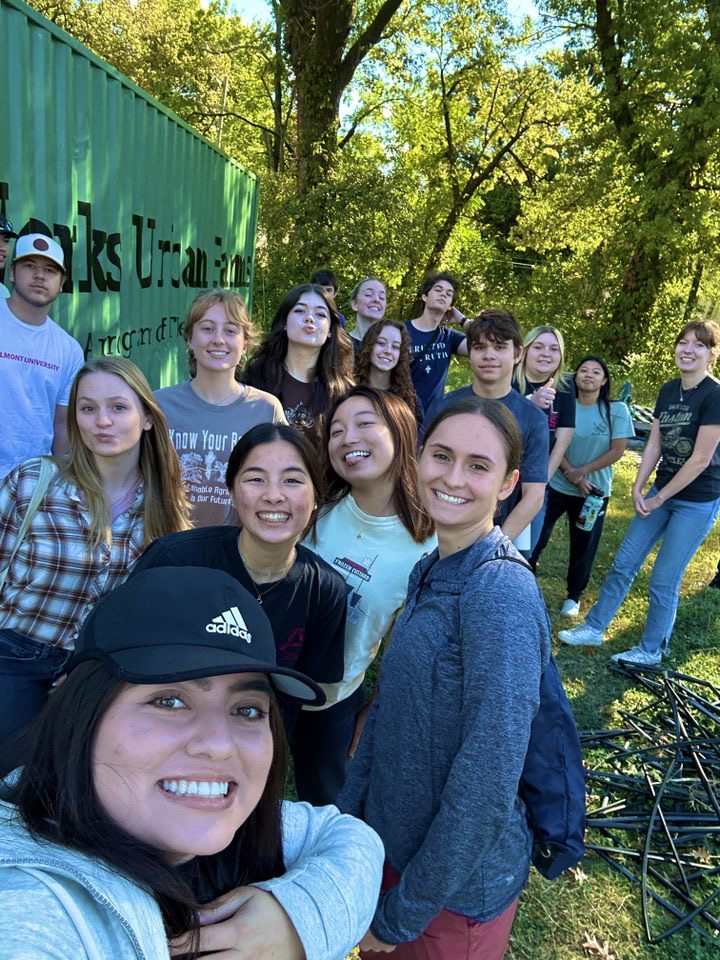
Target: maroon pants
(450,936)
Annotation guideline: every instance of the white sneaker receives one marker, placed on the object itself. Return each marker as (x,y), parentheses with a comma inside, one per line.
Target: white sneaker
(638,655)
(571,608)
(581,636)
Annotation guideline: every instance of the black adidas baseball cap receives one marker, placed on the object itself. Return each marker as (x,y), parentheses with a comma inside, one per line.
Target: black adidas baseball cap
(6,227)
(182,623)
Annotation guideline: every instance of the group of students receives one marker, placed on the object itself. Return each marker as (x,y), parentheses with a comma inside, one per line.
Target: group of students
(207,604)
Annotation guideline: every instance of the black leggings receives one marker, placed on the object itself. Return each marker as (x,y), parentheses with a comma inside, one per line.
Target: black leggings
(320,743)
(583,546)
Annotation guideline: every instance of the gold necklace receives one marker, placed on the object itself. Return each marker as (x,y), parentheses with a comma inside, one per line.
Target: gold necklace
(277,574)
(260,594)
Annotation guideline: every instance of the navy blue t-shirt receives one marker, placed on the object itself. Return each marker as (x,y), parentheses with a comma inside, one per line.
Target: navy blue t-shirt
(533,426)
(430,353)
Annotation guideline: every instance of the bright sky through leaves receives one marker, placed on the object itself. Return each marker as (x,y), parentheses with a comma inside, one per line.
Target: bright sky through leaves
(259,9)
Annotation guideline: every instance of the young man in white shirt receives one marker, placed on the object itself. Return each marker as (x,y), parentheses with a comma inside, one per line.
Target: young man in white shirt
(38,359)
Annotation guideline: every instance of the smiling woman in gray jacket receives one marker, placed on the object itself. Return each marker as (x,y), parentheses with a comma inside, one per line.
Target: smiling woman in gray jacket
(438,767)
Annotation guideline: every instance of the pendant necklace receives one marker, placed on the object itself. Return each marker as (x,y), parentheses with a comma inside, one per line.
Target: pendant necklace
(260,594)
(689,390)
(277,575)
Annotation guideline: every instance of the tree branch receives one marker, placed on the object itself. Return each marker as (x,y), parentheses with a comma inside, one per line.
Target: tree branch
(214,115)
(363,115)
(365,42)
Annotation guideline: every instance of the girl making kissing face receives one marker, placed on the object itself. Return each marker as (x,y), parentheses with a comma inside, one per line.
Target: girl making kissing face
(306,357)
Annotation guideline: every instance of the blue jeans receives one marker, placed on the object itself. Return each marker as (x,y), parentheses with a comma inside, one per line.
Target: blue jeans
(27,670)
(682,525)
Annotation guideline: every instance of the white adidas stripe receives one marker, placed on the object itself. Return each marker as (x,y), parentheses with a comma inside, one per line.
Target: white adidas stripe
(231,616)
(231,622)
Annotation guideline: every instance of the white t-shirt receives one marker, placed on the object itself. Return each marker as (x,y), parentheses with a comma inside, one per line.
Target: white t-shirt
(375,556)
(204,434)
(37,366)
(4,292)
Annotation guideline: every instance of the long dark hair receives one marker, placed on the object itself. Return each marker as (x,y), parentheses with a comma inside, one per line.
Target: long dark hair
(604,395)
(270,433)
(333,373)
(401,422)
(56,799)
(401,383)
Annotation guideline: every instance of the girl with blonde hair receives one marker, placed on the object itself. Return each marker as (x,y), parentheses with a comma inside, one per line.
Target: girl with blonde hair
(540,376)
(71,527)
(209,413)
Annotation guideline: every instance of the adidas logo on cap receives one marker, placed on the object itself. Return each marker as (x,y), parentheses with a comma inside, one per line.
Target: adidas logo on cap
(230,621)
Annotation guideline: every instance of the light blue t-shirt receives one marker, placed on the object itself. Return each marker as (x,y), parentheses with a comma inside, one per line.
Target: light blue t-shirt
(592,439)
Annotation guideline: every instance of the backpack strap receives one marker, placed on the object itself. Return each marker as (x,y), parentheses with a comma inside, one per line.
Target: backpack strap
(552,784)
(47,473)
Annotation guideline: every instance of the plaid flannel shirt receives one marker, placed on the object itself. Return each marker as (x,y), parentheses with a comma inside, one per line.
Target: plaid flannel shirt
(56,576)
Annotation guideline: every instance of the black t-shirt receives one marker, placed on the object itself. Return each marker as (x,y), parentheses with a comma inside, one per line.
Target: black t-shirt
(562,411)
(681,413)
(306,609)
(297,397)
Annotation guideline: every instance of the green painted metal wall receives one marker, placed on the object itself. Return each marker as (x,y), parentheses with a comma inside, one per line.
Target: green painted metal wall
(148,212)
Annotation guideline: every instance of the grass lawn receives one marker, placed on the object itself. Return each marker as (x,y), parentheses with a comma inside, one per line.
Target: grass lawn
(595,912)
(555,919)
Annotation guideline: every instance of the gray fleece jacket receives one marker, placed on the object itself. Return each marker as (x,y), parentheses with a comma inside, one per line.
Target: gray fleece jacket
(58,904)
(440,760)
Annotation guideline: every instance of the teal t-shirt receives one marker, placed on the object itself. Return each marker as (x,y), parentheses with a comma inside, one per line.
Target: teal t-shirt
(591,439)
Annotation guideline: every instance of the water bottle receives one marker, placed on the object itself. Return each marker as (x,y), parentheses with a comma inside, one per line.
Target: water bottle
(590,510)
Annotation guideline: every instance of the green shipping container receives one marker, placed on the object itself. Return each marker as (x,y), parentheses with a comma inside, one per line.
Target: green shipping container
(147,211)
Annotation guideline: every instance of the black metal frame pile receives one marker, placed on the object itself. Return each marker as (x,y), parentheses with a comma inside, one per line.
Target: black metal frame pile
(658,818)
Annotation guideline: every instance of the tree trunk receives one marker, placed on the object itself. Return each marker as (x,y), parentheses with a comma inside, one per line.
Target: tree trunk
(316,34)
(642,278)
(693,293)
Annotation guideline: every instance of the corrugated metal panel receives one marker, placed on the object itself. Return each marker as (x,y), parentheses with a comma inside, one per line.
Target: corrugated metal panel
(147,211)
